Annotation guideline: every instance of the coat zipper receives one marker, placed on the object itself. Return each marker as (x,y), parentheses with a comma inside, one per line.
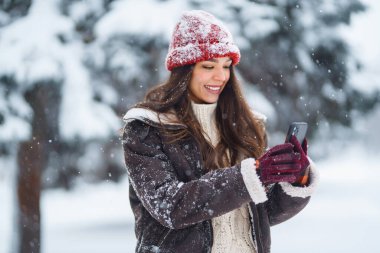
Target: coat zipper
(163,239)
(256,232)
(253,232)
(211,235)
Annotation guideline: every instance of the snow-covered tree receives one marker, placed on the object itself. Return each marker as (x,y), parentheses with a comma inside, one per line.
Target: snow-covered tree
(48,105)
(302,64)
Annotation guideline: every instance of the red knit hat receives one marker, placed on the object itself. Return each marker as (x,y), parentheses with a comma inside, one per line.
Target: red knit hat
(199,36)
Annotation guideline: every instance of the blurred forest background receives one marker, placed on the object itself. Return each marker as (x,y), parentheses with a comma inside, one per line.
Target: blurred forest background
(69,70)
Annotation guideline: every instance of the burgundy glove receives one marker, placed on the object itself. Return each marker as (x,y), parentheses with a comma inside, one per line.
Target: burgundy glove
(279,164)
(303,176)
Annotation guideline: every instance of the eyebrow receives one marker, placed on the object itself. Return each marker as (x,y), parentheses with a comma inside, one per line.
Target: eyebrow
(216,60)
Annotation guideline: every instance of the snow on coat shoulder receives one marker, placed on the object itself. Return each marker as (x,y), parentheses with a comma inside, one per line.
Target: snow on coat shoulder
(144,114)
(149,116)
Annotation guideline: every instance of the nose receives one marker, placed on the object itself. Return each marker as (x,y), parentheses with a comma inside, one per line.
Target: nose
(220,74)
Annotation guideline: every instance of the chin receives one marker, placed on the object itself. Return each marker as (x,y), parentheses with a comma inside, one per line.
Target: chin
(210,101)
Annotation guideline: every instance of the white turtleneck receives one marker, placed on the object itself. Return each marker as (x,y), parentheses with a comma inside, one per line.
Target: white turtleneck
(232,231)
(205,114)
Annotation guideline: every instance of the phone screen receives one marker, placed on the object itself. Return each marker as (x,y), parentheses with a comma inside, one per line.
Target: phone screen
(297,129)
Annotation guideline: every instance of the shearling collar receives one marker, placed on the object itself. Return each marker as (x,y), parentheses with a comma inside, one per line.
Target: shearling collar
(152,118)
(168,119)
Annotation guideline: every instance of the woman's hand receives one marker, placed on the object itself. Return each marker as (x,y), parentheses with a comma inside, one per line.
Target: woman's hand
(280,164)
(302,177)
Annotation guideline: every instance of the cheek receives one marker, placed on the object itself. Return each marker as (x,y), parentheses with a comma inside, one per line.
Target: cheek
(227,79)
(202,78)
(198,82)
(228,74)
(195,87)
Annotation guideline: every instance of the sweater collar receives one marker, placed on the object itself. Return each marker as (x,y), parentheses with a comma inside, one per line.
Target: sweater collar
(204,112)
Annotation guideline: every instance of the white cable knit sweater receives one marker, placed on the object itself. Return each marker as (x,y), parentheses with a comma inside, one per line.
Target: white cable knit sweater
(231,230)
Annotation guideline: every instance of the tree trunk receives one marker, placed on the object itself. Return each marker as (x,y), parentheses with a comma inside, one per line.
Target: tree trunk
(31,162)
(32,159)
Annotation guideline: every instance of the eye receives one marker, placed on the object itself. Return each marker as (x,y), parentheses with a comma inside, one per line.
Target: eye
(207,67)
(227,67)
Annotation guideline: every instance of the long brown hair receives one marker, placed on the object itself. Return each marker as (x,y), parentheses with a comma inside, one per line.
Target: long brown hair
(241,133)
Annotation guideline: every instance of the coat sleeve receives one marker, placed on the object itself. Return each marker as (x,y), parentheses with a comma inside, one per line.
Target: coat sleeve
(173,203)
(286,200)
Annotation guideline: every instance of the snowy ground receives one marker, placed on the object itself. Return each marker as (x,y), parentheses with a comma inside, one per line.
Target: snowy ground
(91,218)
(343,215)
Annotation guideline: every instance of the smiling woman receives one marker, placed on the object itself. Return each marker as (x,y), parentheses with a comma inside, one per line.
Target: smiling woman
(208,79)
(201,179)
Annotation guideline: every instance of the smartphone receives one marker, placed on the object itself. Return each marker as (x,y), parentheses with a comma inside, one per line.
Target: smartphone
(297,129)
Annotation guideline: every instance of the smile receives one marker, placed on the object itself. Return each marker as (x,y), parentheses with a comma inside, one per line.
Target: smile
(213,88)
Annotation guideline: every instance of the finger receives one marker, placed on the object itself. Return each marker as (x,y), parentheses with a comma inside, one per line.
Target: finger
(285,168)
(286,158)
(280,149)
(304,146)
(281,178)
(297,145)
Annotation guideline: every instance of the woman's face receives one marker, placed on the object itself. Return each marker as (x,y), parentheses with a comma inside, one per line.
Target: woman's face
(208,80)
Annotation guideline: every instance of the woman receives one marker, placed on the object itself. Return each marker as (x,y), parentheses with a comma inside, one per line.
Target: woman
(201,179)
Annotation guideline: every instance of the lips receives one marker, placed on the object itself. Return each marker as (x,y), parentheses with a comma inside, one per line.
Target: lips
(213,89)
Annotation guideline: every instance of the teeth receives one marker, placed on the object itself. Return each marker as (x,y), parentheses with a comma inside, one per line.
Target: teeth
(212,88)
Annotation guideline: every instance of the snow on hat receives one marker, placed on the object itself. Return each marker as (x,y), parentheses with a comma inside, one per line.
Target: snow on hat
(199,36)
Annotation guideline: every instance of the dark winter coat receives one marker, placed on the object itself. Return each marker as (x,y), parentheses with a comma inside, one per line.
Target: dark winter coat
(174,199)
